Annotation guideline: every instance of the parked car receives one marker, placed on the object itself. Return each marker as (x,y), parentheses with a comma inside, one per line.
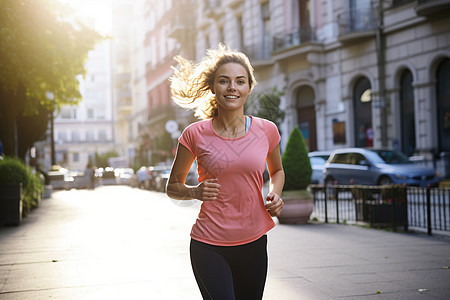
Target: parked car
(108,176)
(376,167)
(154,176)
(61,179)
(124,175)
(318,160)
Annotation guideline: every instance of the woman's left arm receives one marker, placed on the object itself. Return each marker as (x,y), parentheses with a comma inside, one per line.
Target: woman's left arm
(274,202)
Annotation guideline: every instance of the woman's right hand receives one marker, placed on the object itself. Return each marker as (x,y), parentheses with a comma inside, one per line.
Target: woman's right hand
(207,190)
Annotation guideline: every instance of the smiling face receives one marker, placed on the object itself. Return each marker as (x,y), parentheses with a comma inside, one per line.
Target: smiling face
(231,86)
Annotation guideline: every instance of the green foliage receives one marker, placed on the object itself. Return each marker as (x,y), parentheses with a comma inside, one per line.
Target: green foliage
(269,106)
(296,164)
(42,49)
(101,160)
(13,170)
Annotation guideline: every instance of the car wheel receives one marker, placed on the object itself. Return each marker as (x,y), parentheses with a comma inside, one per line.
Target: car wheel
(384,180)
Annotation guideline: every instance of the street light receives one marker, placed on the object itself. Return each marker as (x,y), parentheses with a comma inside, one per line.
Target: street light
(51,97)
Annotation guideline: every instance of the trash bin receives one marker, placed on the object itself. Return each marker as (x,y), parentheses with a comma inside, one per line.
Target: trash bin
(10,204)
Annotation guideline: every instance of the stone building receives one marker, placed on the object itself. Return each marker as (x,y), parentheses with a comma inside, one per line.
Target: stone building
(354,72)
(86,129)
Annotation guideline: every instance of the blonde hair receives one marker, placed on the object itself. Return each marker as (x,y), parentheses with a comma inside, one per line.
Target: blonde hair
(191,84)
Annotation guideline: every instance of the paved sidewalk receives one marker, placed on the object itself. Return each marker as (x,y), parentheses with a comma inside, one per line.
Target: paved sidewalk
(123,243)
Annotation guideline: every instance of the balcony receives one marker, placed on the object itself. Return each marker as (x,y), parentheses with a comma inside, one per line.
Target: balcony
(124,105)
(212,9)
(294,39)
(430,7)
(357,24)
(180,25)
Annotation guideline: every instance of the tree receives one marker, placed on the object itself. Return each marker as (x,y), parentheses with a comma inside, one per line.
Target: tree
(269,106)
(42,49)
(296,164)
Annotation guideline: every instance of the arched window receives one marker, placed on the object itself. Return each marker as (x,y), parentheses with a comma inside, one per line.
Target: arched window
(306,116)
(443,105)
(408,128)
(362,109)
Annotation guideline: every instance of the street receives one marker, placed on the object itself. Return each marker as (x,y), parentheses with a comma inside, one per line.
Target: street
(116,242)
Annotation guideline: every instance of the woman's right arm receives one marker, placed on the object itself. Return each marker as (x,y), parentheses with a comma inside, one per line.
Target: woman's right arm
(176,187)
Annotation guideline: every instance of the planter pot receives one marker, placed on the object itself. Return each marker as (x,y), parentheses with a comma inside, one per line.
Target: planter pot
(298,206)
(10,204)
(48,189)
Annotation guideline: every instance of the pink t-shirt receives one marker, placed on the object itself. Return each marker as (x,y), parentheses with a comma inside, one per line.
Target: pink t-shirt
(238,216)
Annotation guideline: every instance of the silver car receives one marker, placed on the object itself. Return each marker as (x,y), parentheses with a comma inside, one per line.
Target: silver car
(318,160)
(376,167)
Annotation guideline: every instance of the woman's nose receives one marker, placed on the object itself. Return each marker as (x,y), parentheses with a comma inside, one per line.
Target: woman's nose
(231,86)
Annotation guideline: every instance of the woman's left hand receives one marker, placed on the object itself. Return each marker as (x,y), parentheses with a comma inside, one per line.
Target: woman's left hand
(274,204)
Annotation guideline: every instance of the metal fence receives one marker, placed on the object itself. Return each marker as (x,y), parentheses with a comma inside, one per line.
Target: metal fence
(390,206)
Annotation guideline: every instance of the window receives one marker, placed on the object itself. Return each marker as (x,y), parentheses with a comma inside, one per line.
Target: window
(90,113)
(62,136)
(407,113)
(102,136)
(240,30)
(362,113)
(89,136)
(266,30)
(75,136)
(443,105)
(76,157)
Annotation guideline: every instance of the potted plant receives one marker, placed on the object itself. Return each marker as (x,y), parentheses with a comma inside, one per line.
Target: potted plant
(298,201)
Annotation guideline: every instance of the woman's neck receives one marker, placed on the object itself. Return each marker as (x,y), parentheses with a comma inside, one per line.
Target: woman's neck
(230,125)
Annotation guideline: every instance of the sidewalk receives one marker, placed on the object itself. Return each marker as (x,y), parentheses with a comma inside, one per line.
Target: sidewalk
(123,243)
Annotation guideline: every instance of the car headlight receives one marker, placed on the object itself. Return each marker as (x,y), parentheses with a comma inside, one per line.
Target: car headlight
(402,177)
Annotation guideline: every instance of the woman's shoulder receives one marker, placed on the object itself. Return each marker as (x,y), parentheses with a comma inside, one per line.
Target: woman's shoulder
(263,123)
(199,125)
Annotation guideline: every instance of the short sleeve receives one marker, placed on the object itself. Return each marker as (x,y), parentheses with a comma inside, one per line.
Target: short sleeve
(188,139)
(272,134)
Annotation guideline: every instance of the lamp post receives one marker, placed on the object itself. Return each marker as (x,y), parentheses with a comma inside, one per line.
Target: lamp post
(51,97)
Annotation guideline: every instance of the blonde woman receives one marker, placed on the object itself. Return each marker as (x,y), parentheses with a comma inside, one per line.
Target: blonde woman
(228,240)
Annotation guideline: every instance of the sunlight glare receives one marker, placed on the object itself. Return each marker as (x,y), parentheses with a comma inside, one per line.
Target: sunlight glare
(94,12)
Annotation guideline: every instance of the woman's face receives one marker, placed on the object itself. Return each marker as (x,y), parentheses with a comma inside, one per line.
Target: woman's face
(231,86)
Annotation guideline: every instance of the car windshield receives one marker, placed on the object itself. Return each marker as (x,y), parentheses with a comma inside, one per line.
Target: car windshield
(393,157)
(317,161)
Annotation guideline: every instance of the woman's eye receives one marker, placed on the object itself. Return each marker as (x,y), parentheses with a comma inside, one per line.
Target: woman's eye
(241,81)
(223,81)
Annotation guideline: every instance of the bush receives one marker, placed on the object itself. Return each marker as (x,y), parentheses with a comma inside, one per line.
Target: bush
(14,171)
(296,164)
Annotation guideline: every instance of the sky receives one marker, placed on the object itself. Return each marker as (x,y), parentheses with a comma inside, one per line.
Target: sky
(99,10)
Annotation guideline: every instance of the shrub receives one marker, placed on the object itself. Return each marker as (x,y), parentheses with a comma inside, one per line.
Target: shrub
(296,164)
(14,171)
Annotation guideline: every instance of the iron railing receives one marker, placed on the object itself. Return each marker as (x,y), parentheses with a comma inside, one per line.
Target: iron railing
(294,39)
(357,20)
(392,206)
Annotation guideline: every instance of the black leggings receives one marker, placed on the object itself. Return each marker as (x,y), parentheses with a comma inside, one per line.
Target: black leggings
(230,272)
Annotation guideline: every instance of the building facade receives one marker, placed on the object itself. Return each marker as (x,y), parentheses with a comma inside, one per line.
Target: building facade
(84,130)
(357,73)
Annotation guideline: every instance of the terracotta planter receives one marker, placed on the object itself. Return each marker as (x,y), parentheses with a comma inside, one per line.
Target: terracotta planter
(298,206)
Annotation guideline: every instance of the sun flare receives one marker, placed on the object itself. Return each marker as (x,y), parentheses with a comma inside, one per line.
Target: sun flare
(97,13)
